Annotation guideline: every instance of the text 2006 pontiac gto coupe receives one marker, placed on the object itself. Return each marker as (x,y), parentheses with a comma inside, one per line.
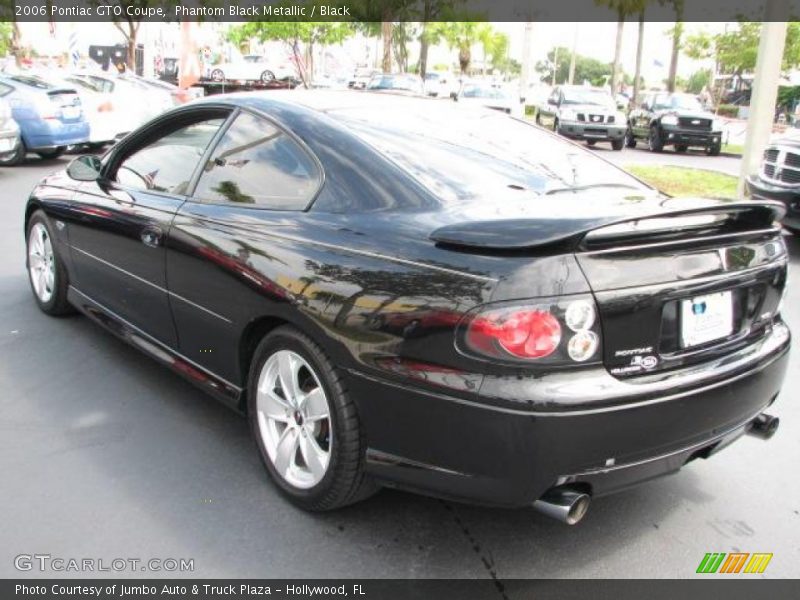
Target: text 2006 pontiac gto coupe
(399,291)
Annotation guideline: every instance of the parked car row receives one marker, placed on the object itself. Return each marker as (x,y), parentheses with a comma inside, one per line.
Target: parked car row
(662,119)
(46,111)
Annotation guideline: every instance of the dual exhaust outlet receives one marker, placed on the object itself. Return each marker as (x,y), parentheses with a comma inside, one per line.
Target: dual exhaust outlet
(570,506)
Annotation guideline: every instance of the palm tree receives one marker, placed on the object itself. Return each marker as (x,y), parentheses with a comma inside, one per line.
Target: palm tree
(461,36)
(677,32)
(623,8)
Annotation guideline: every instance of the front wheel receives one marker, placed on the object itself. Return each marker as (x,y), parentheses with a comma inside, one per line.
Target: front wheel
(617,144)
(555,125)
(655,142)
(305,424)
(217,75)
(267,76)
(51,154)
(17,158)
(630,140)
(46,271)
(591,142)
(714,150)
(681,149)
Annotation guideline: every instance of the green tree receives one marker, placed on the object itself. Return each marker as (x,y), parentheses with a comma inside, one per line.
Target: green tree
(698,81)
(431,10)
(735,50)
(586,68)
(9,30)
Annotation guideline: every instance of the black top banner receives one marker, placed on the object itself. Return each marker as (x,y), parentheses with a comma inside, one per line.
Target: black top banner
(393,10)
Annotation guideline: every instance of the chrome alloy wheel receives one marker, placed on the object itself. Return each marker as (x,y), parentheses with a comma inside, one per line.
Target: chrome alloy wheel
(294,419)
(41,263)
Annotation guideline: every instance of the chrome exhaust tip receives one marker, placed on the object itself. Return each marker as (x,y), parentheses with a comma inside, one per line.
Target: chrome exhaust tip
(564,504)
(763,426)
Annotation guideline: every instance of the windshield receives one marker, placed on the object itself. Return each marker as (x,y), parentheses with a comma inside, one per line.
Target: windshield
(679,101)
(587,96)
(463,154)
(32,81)
(484,91)
(252,58)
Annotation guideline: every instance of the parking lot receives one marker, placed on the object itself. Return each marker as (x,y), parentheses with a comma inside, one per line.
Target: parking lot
(105,454)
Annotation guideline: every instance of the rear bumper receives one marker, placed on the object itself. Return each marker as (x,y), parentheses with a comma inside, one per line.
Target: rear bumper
(757,188)
(51,133)
(690,137)
(591,131)
(469,449)
(9,141)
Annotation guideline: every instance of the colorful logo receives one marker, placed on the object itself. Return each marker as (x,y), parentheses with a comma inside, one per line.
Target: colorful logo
(734,562)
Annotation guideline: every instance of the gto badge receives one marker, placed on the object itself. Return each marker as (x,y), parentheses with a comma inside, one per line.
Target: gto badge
(646,362)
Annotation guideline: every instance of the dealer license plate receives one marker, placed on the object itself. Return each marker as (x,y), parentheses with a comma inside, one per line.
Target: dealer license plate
(706,318)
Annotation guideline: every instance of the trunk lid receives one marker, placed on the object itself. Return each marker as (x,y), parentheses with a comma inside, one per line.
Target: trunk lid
(676,290)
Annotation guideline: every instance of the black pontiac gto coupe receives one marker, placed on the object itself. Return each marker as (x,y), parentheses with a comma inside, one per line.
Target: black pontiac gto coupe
(399,291)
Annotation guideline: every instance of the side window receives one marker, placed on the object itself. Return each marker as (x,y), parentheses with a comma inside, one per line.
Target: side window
(257,163)
(167,164)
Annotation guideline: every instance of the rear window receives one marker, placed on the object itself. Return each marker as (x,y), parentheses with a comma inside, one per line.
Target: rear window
(32,81)
(463,154)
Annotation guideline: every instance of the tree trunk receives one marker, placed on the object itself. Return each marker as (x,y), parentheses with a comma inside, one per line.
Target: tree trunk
(676,48)
(131,58)
(617,53)
(423,53)
(386,34)
(639,45)
(464,58)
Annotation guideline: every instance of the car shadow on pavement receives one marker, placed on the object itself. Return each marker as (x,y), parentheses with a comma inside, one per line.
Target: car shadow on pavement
(142,462)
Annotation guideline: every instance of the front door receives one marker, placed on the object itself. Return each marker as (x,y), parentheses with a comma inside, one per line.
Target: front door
(120,223)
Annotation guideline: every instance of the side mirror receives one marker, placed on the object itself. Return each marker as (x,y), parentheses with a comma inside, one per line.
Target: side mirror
(85,168)
(622,106)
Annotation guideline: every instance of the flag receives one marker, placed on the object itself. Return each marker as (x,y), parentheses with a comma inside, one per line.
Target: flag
(657,63)
(74,55)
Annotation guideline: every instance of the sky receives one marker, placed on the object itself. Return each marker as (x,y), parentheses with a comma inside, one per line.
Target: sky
(593,39)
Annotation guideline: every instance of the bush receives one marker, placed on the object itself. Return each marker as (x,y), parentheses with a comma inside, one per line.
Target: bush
(728,110)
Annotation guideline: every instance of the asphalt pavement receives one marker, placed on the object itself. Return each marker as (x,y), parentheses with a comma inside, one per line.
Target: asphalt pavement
(104,454)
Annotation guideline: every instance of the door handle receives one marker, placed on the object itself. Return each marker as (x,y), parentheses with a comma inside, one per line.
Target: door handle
(152,236)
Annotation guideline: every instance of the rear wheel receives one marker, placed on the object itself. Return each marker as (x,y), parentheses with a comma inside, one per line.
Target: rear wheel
(305,424)
(217,75)
(17,158)
(267,76)
(51,154)
(655,143)
(46,272)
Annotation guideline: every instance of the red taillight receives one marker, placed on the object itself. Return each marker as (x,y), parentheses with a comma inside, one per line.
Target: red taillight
(526,333)
(105,107)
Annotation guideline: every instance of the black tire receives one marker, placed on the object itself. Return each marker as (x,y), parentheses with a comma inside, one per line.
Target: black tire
(15,159)
(217,75)
(97,146)
(617,144)
(792,230)
(267,76)
(591,142)
(344,481)
(555,125)
(655,142)
(51,154)
(630,139)
(58,304)
(538,119)
(681,149)
(714,150)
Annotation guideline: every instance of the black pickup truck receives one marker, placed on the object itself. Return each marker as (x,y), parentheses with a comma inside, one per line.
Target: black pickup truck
(677,120)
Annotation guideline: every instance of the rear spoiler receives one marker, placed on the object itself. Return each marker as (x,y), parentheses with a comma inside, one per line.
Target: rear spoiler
(592,233)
